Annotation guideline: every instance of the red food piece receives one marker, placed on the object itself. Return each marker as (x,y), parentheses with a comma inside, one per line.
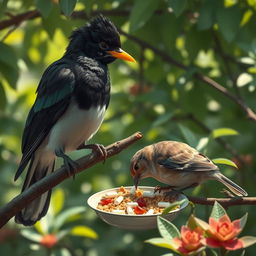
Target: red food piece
(139,210)
(141,202)
(106,201)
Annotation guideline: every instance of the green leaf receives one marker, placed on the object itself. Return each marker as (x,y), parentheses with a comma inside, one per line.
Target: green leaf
(57,201)
(174,205)
(65,215)
(178,6)
(31,235)
(3,4)
(202,143)
(201,223)
(206,15)
(224,161)
(39,227)
(243,220)
(167,229)
(229,20)
(8,56)
(161,242)
(216,133)
(2,97)
(162,119)
(67,6)
(10,74)
(191,223)
(141,13)
(243,253)
(248,241)
(84,231)
(217,211)
(189,136)
(44,7)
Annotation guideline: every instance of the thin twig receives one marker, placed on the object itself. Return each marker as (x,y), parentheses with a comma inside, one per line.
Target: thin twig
(47,183)
(226,202)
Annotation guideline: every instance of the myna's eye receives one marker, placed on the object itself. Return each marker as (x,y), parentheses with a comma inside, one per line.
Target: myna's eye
(103,45)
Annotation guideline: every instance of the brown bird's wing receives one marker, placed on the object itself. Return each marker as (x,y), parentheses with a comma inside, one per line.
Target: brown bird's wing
(180,156)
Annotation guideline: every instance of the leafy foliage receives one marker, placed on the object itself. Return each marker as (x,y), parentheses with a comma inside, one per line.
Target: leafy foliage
(161,96)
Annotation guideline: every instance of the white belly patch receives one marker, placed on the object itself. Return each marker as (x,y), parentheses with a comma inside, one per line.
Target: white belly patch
(75,127)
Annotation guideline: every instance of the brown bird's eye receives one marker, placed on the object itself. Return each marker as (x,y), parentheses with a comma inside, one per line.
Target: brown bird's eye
(136,167)
(103,45)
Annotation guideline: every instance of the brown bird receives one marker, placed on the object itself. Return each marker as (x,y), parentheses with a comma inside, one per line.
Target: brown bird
(177,165)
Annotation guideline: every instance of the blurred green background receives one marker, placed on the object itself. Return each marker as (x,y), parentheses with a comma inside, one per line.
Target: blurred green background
(216,38)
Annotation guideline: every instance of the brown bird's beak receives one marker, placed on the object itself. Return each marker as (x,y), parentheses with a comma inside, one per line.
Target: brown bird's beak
(136,180)
(121,54)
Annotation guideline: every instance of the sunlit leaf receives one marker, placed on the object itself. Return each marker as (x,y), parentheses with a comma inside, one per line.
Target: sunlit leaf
(57,200)
(167,229)
(217,211)
(39,227)
(161,242)
(243,79)
(246,17)
(224,161)
(216,133)
(84,231)
(141,12)
(203,142)
(67,6)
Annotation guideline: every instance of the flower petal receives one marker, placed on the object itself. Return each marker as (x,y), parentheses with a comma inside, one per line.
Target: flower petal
(211,242)
(225,218)
(213,224)
(233,245)
(237,226)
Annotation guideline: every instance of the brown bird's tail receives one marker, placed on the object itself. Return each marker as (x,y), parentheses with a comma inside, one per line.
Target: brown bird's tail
(232,186)
(39,207)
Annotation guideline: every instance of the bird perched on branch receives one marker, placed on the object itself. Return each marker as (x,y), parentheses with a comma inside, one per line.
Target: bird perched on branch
(177,165)
(72,98)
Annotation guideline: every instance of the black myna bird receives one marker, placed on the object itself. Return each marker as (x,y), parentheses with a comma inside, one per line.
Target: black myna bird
(72,98)
(179,166)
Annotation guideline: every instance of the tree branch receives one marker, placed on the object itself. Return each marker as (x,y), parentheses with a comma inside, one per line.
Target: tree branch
(226,202)
(47,183)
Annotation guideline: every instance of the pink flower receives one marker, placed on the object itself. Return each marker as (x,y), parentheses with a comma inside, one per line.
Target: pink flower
(223,233)
(190,240)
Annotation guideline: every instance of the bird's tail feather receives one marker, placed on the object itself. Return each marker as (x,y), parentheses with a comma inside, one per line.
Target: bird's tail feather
(39,207)
(237,190)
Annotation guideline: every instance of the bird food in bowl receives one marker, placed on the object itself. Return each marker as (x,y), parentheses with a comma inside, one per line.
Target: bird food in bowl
(128,208)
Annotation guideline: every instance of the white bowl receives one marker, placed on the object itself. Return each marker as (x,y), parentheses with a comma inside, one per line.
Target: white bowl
(132,222)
